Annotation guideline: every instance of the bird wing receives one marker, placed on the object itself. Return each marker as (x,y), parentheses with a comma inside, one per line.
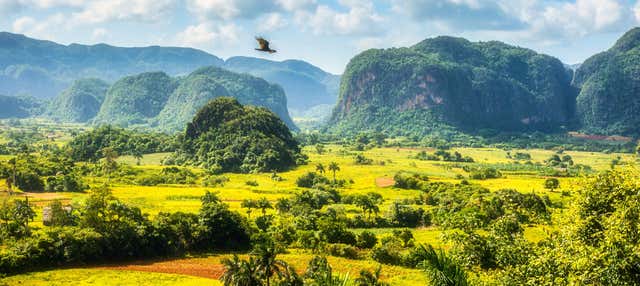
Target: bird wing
(264,44)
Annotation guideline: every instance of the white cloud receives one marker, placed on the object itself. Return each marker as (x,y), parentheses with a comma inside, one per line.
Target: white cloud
(100,11)
(229,9)
(580,18)
(296,5)
(636,10)
(23,24)
(208,35)
(99,33)
(271,22)
(360,19)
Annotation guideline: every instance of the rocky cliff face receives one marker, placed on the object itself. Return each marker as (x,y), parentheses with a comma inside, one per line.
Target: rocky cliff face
(454,82)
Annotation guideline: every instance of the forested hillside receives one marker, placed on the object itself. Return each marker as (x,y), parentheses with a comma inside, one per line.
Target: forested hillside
(609,100)
(135,99)
(18,107)
(80,102)
(448,82)
(205,84)
(43,68)
(225,136)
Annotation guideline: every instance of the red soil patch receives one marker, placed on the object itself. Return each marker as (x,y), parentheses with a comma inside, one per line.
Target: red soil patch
(600,137)
(191,267)
(384,182)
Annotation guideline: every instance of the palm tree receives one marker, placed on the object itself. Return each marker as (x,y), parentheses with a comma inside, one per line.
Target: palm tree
(249,204)
(268,265)
(110,164)
(320,168)
(334,167)
(441,269)
(264,204)
(370,279)
(240,272)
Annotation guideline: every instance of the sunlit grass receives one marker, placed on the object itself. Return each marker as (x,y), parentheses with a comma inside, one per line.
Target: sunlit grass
(81,277)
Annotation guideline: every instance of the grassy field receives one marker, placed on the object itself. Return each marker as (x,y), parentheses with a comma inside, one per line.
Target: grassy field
(386,163)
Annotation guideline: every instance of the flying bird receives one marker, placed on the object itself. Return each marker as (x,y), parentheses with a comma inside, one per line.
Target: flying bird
(264,45)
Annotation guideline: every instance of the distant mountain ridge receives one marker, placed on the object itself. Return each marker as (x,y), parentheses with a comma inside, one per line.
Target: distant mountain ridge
(43,69)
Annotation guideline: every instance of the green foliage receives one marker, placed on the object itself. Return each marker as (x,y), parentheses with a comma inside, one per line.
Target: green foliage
(80,102)
(449,84)
(442,155)
(225,136)
(408,180)
(208,83)
(366,239)
(87,146)
(609,82)
(135,99)
(551,184)
(441,269)
(18,107)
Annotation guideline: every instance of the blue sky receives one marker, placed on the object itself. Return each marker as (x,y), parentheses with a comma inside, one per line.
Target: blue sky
(326,33)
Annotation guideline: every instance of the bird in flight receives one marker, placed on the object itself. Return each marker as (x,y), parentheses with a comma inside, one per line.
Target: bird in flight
(264,45)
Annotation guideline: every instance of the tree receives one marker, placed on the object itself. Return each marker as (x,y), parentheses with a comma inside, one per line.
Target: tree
(249,204)
(240,272)
(22,213)
(137,154)
(320,149)
(551,184)
(368,278)
(110,164)
(283,205)
(264,204)
(266,253)
(320,168)
(441,269)
(367,205)
(334,167)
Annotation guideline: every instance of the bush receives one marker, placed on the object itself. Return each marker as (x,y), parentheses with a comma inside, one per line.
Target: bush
(214,181)
(311,179)
(485,173)
(252,183)
(366,239)
(65,183)
(342,250)
(408,180)
(29,182)
(388,253)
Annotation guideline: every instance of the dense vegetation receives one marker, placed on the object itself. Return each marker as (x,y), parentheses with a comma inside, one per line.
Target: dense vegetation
(452,83)
(80,102)
(43,68)
(205,84)
(18,107)
(225,136)
(610,83)
(306,86)
(134,99)
(89,146)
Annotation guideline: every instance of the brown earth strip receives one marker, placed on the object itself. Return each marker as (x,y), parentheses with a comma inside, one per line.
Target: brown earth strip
(191,267)
(383,182)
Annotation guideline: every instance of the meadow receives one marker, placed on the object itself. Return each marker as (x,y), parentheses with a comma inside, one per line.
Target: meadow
(374,177)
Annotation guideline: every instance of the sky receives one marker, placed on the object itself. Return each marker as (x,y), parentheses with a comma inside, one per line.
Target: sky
(326,33)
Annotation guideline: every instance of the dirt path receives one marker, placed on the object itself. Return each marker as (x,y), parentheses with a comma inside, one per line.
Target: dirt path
(191,267)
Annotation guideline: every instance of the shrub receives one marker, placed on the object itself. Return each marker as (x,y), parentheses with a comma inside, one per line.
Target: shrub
(366,239)
(342,250)
(311,179)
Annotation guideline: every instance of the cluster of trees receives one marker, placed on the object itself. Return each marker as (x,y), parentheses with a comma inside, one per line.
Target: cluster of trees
(105,229)
(226,136)
(442,155)
(89,146)
(50,171)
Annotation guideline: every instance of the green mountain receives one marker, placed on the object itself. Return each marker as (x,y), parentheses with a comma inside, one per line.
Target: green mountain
(18,107)
(135,99)
(80,102)
(225,136)
(451,83)
(205,84)
(609,99)
(43,68)
(306,85)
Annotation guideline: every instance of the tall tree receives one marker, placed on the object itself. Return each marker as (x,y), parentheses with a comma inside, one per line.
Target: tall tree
(334,167)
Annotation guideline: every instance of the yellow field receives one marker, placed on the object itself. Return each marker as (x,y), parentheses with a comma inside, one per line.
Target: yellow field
(387,162)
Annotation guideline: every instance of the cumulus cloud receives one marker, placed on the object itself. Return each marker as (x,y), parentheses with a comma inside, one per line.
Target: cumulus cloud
(271,22)
(23,24)
(229,9)
(462,14)
(100,11)
(41,28)
(99,34)
(636,10)
(360,19)
(209,35)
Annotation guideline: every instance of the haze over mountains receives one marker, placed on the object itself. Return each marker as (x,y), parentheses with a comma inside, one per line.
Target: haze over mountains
(442,83)
(43,69)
